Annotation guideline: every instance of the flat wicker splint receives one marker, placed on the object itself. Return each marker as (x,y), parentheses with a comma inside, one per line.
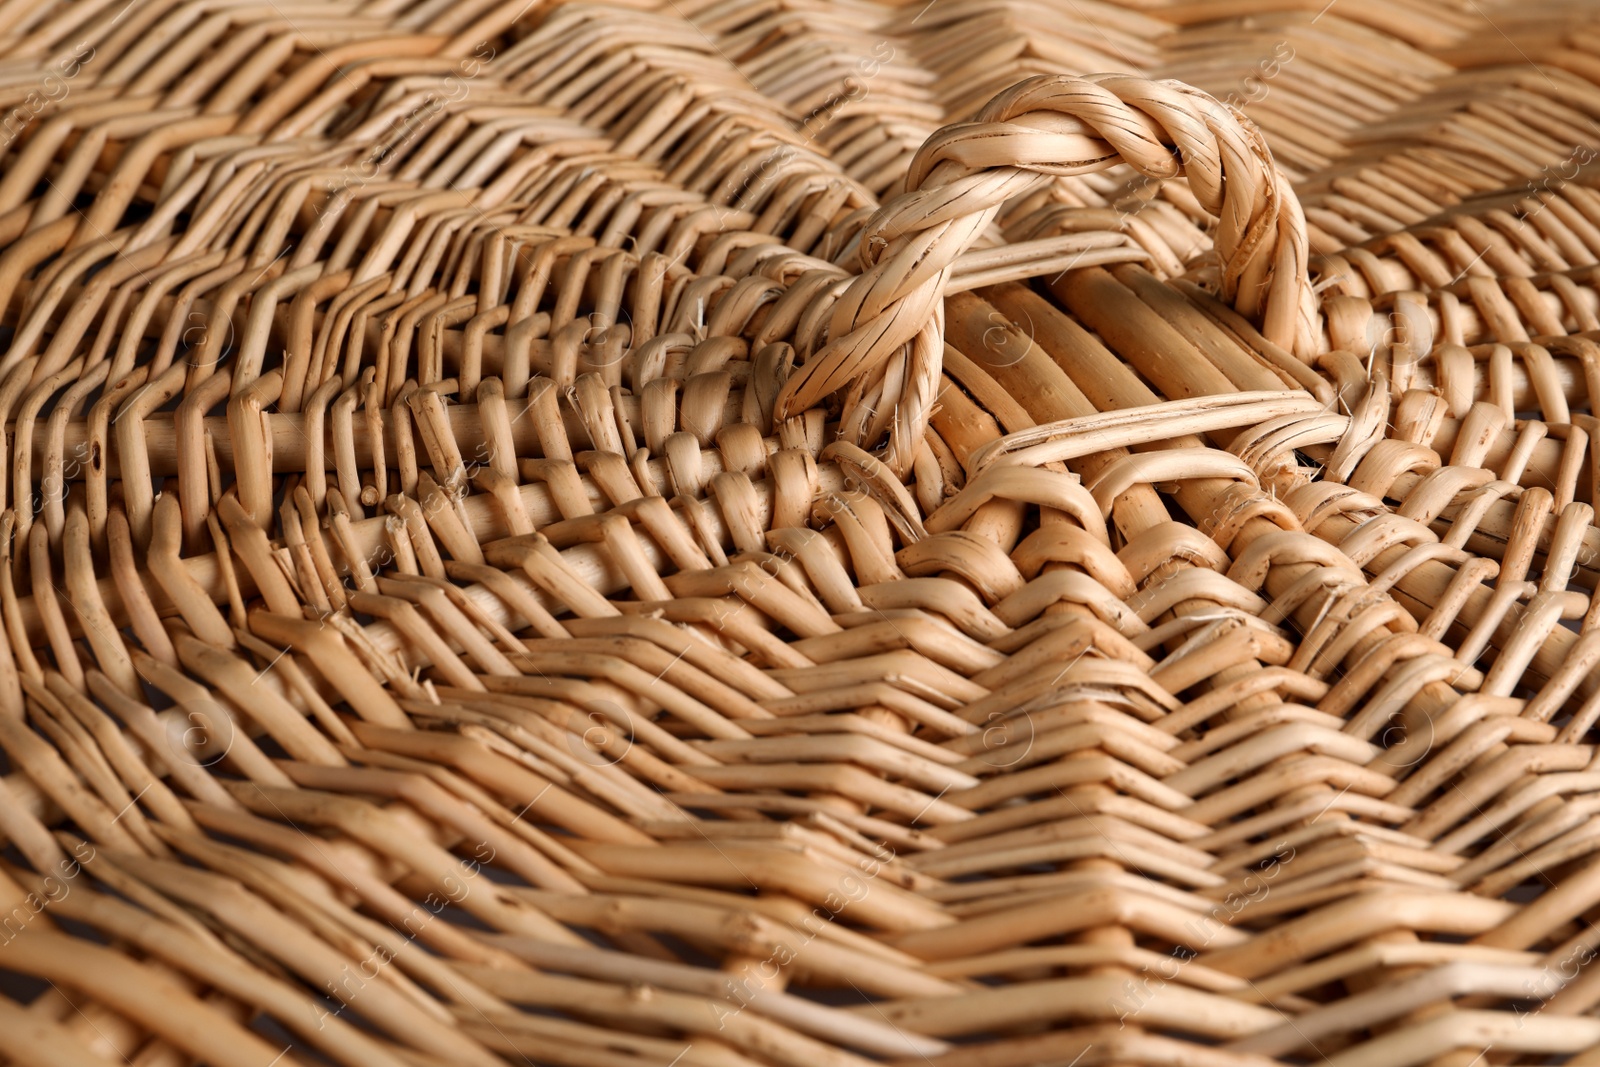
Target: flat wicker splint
(799,533)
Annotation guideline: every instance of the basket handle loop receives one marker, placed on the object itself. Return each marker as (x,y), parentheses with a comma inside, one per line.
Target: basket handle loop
(1039,129)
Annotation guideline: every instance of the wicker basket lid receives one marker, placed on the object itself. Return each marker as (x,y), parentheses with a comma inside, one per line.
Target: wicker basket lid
(805,533)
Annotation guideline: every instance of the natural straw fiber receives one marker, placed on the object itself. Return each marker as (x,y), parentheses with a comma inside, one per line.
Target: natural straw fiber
(799,533)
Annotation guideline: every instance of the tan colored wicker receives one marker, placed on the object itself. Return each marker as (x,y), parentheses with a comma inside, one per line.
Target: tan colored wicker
(806,533)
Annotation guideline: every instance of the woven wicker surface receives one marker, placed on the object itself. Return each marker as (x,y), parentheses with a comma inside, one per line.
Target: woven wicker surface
(799,533)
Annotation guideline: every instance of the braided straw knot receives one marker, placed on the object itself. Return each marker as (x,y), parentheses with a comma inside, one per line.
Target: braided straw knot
(886,328)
